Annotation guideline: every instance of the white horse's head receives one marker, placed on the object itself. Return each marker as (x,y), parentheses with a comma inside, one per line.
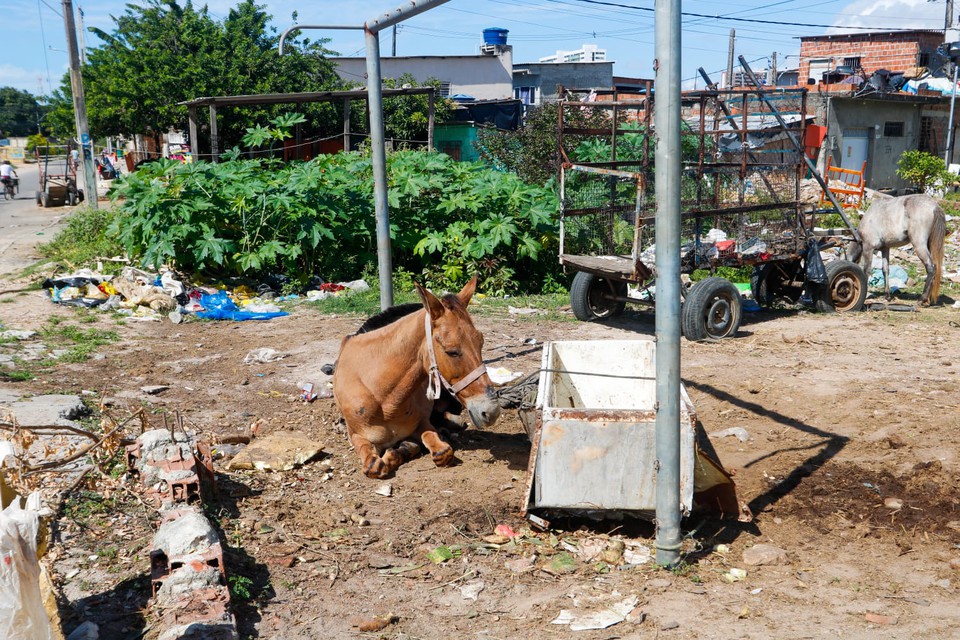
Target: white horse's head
(854,251)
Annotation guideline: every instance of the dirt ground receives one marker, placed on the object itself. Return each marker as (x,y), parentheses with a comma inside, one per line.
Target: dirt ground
(842,412)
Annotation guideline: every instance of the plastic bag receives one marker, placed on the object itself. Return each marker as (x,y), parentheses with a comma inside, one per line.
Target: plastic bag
(816,272)
(219,306)
(22,616)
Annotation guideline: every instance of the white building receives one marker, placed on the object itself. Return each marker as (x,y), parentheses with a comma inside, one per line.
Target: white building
(586,53)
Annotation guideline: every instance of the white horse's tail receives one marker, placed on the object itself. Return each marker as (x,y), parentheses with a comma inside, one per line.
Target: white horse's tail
(935,245)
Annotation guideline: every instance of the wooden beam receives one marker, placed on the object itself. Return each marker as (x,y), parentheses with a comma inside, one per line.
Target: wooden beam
(346,124)
(214,139)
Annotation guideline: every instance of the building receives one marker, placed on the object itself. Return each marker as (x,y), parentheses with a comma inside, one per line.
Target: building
(537,82)
(899,52)
(586,53)
(488,76)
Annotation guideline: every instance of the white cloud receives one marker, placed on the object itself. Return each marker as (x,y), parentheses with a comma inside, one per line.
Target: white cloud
(890,14)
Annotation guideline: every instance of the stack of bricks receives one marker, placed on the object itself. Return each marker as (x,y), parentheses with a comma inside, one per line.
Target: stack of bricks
(186,562)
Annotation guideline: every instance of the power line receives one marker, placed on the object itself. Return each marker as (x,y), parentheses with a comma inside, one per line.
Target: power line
(753,20)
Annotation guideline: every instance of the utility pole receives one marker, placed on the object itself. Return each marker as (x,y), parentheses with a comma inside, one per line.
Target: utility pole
(733,39)
(80,107)
(772,76)
(948,18)
(393,49)
(83,47)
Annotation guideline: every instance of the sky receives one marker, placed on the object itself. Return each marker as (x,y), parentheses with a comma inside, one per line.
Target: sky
(33,42)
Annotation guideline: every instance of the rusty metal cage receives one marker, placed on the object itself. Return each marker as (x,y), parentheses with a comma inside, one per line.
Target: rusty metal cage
(740,184)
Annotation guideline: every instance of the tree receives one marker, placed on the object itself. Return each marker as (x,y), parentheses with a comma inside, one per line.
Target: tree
(531,151)
(19,112)
(162,52)
(922,169)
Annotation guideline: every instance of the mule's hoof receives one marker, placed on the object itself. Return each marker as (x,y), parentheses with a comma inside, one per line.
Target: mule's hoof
(376,469)
(444,457)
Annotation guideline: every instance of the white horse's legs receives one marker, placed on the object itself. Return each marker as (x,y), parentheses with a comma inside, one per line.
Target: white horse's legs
(885,256)
(924,254)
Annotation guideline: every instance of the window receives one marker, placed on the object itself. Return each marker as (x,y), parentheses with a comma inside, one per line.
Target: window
(892,129)
(931,135)
(853,63)
(444,90)
(526,95)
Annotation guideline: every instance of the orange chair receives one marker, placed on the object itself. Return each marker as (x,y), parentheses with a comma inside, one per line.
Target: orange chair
(850,195)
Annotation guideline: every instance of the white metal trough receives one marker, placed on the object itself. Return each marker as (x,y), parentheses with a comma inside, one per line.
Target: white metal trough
(593,434)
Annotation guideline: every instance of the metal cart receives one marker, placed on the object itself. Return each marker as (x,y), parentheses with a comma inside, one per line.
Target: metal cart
(58,177)
(741,206)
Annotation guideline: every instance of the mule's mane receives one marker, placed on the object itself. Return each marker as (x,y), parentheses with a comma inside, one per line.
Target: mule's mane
(391,315)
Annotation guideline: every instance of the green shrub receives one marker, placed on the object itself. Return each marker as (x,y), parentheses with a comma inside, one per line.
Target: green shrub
(84,238)
(240,216)
(923,169)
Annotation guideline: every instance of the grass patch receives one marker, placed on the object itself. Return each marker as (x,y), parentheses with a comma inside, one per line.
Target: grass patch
(550,306)
(84,238)
(16,375)
(88,505)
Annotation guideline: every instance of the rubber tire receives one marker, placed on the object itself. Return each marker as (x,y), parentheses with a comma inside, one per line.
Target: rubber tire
(843,278)
(79,196)
(586,297)
(44,199)
(36,197)
(704,301)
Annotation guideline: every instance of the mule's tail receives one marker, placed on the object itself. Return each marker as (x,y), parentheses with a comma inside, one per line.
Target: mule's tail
(935,245)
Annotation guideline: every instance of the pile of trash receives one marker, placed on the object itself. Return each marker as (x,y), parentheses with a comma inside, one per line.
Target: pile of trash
(141,295)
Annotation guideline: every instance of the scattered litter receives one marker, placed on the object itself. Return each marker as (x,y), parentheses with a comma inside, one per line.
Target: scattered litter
(636,553)
(471,590)
(722,549)
(333,289)
(521,565)
(378,623)
(894,504)
(22,616)
(735,575)
(263,355)
(327,369)
(219,306)
(306,392)
(502,375)
(443,553)
(560,564)
(898,278)
(385,490)
(506,531)
(521,311)
(756,592)
(153,390)
(739,433)
(877,618)
(280,451)
(530,341)
(598,619)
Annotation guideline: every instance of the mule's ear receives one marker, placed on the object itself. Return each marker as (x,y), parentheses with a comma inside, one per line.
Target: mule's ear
(430,302)
(468,290)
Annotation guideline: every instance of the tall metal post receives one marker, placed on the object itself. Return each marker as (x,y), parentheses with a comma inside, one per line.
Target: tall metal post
(393,47)
(667,128)
(733,41)
(375,101)
(80,107)
(953,102)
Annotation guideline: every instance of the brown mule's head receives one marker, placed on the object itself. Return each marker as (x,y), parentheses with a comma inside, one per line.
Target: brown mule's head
(458,347)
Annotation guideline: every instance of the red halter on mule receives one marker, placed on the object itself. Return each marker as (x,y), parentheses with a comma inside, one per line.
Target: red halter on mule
(387,379)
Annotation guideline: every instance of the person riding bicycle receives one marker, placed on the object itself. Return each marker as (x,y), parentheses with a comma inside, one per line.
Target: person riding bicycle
(8,175)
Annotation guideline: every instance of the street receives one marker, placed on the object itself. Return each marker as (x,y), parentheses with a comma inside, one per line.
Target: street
(23,224)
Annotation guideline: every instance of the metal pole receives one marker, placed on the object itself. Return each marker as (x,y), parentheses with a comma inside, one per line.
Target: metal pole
(948,18)
(80,107)
(375,101)
(733,41)
(953,101)
(667,181)
(393,48)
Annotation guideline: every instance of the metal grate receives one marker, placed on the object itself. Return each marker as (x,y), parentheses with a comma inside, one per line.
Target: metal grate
(599,211)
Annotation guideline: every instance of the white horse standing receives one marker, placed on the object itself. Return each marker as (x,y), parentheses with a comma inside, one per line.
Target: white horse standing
(893,222)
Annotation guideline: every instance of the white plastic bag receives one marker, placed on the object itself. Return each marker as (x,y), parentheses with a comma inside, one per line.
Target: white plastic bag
(22,616)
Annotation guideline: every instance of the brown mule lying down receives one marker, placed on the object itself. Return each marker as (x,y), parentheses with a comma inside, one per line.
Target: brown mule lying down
(391,372)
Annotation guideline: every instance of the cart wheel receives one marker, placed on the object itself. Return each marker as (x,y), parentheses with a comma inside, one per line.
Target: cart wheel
(44,199)
(36,198)
(846,288)
(79,196)
(769,282)
(592,297)
(712,311)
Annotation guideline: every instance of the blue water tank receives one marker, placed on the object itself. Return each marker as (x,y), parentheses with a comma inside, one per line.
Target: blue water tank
(495,35)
